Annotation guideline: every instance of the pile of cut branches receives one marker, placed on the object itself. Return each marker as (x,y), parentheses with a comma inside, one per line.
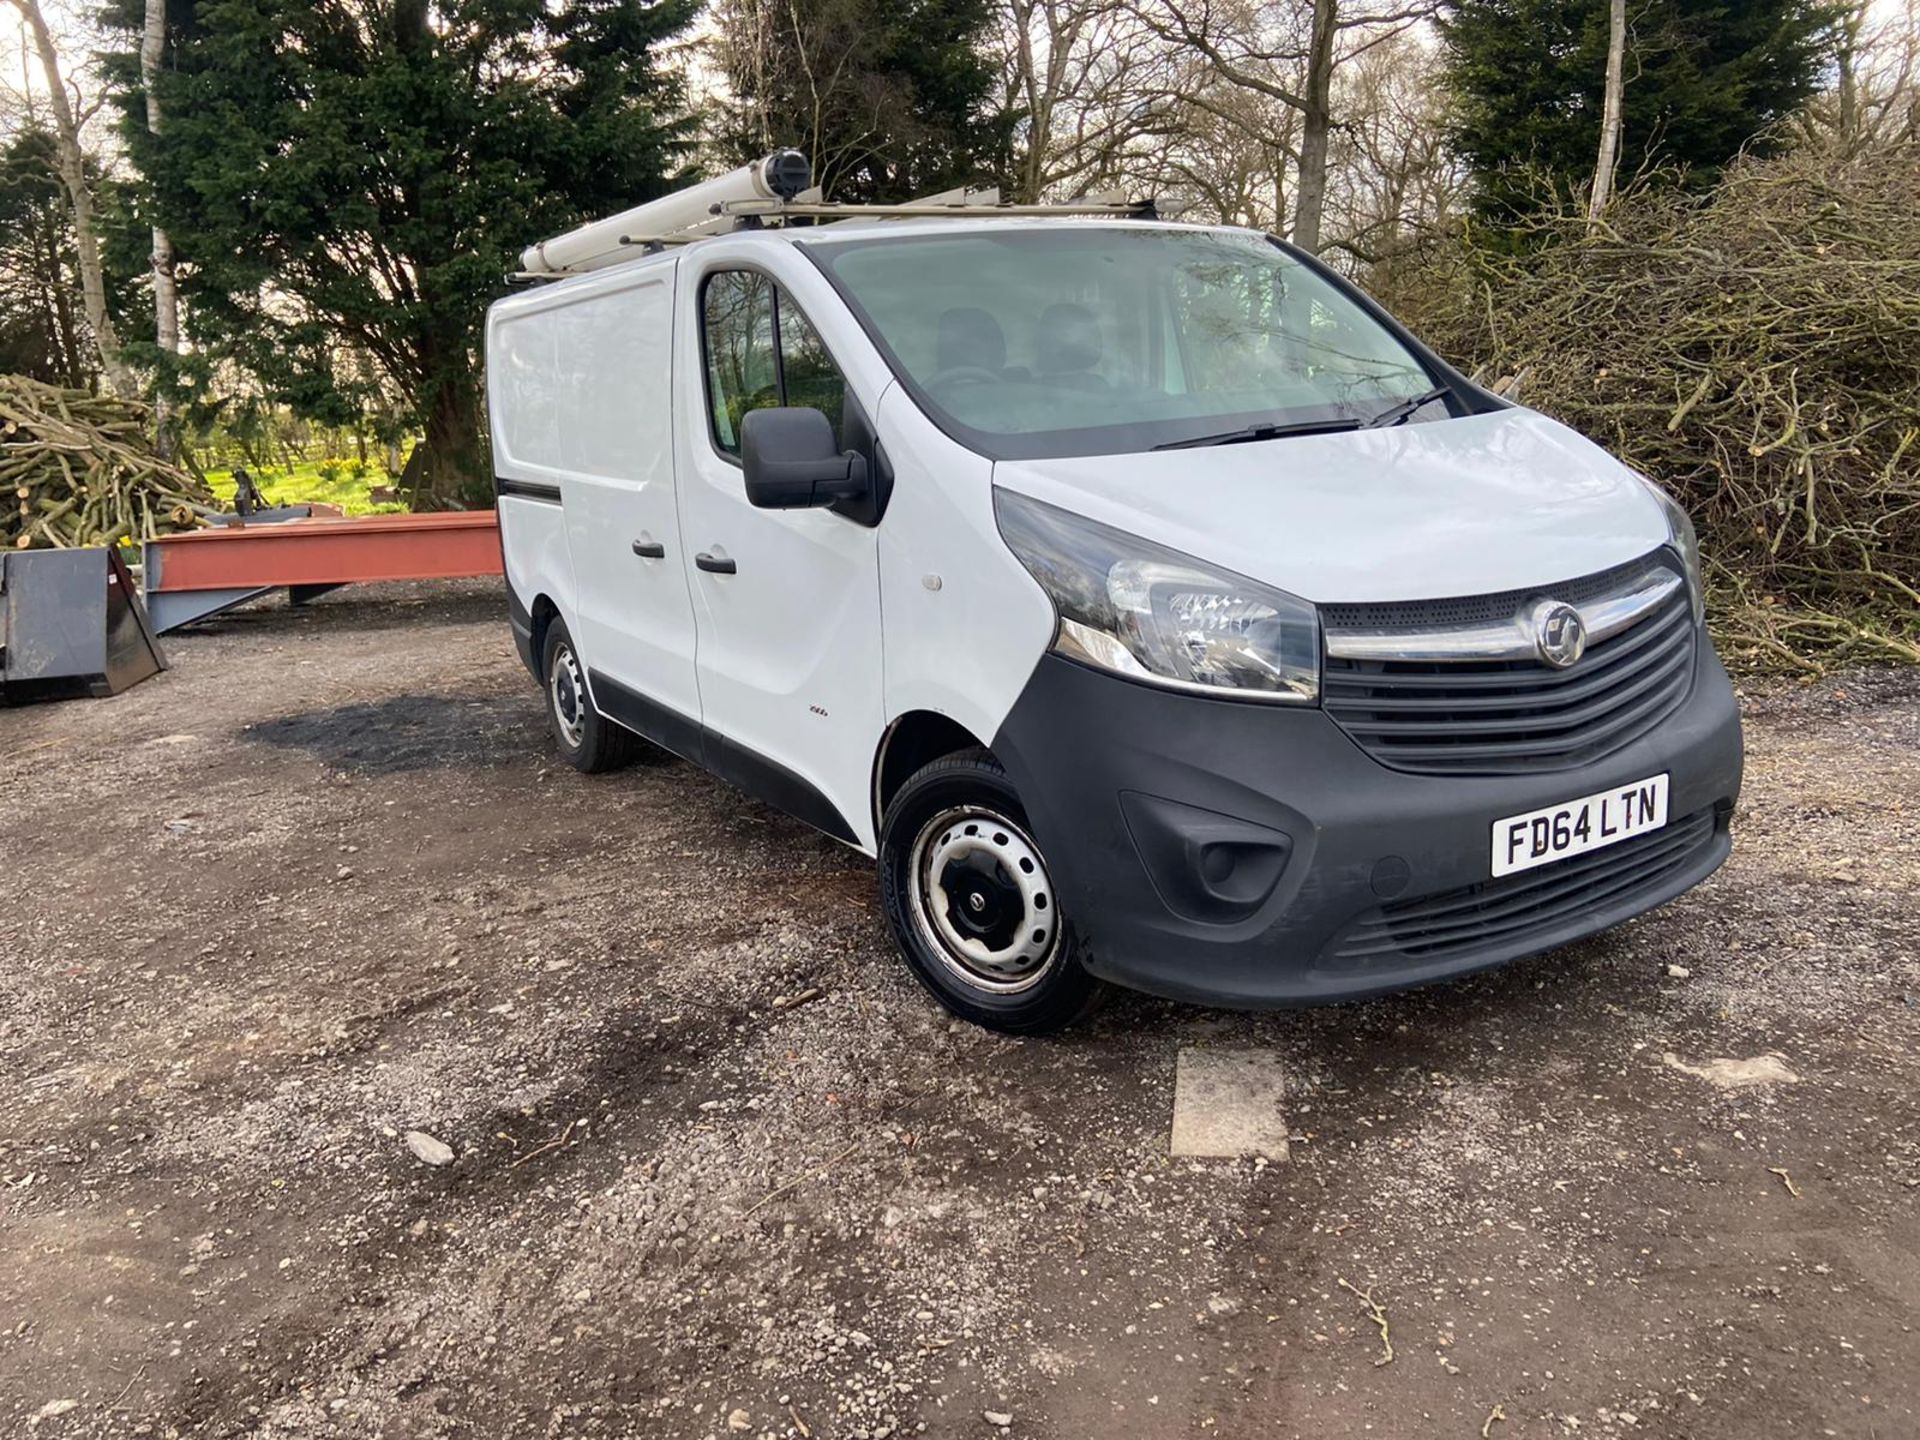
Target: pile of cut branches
(79,469)
(1757,351)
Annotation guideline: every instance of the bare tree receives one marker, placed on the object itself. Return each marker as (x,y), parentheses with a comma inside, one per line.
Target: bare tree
(1288,51)
(1875,99)
(1609,157)
(1395,184)
(166,302)
(1094,86)
(71,161)
(1112,92)
(1235,157)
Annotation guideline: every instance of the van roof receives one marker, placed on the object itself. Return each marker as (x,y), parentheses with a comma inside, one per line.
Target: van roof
(867,229)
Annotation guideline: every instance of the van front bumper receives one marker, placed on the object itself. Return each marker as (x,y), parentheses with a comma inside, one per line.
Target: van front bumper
(1250,854)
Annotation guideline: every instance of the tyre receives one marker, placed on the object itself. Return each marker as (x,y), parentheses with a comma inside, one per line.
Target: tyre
(588,741)
(972,905)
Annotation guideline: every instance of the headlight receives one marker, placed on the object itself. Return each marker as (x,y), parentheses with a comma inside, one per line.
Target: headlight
(1149,613)
(1687,541)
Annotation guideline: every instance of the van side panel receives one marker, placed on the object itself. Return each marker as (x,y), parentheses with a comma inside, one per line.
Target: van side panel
(578,377)
(533,545)
(964,624)
(533,530)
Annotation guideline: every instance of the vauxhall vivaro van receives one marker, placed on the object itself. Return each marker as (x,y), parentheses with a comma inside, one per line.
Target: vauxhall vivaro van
(1149,604)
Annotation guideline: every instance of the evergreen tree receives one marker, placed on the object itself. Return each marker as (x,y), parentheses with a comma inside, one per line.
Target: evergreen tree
(348,180)
(42,332)
(43,324)
(889,99)
(1703,79)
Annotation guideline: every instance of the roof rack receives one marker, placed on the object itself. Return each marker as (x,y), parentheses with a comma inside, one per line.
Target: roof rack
(772,191)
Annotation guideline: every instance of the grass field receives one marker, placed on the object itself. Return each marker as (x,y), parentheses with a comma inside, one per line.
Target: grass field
(306,483)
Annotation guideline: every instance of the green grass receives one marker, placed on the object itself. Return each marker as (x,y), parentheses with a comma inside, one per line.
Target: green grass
(304,484)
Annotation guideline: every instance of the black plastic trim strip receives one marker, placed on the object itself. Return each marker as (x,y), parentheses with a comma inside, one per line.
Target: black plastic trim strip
(1495,911)
(733,762)
(662,724)
(526,489)
(772,782)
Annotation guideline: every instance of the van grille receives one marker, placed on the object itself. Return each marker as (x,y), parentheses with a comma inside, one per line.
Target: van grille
(1503,911)
(1512,716)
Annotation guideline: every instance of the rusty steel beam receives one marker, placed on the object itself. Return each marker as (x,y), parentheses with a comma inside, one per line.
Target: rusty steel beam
(327,552)
(203,572)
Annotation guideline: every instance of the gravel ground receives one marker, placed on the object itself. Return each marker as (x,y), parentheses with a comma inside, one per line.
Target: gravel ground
(324,884)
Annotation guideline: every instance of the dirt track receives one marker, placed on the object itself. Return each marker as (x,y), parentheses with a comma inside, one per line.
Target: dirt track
(324,883)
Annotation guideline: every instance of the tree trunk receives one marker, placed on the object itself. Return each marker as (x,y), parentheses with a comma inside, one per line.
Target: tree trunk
(1847,88)
(1609,156)
(1316,124)
(71,161)
(449,464)
(166,303)
(1030,179)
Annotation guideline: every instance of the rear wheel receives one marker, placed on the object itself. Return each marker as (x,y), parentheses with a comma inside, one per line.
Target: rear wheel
(972,903)
(588,741)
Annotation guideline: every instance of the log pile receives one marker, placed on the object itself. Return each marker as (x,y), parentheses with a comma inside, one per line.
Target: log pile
(1755,349)
(81,469)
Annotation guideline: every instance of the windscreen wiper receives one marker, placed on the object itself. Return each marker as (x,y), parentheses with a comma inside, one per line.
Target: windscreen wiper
(1397,414)
(1262,432)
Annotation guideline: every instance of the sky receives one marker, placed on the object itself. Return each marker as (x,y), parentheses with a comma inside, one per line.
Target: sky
(76,36)
(19,65)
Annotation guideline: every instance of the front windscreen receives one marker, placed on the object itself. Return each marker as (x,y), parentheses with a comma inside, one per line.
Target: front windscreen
(1075,339)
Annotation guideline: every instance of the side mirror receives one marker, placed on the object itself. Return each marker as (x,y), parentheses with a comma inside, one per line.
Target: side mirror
(792,463)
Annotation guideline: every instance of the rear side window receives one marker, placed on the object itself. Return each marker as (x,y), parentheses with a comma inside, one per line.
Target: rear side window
(762,350)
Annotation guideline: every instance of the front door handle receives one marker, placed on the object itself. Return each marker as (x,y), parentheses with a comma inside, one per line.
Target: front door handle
(650,549)
(714,564)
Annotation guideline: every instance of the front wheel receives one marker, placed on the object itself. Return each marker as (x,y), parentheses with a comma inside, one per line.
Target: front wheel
(973,905)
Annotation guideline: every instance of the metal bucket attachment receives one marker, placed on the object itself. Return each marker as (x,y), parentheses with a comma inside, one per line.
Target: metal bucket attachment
(71,625)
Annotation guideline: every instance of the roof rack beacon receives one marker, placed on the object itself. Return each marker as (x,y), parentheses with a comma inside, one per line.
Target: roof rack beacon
(1151,606)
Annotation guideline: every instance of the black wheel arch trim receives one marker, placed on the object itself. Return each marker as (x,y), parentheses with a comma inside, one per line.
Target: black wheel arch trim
(957,737)
(520,618)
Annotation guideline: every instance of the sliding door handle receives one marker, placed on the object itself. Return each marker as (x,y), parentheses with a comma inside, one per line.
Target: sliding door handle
(714,564)
(650,549)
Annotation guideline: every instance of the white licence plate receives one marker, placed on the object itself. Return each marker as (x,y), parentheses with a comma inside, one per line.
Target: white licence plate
(1540,837)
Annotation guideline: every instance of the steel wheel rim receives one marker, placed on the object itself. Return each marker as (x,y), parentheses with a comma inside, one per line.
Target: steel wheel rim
(568,693)
(983,901)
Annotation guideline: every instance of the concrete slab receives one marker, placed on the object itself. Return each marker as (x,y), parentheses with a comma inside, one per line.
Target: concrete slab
(1229,1103)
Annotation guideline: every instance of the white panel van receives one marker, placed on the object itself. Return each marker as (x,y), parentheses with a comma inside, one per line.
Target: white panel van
(1149,604)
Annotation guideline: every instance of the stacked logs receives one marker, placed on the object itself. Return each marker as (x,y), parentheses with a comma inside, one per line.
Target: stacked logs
(1756,349)
(81,469)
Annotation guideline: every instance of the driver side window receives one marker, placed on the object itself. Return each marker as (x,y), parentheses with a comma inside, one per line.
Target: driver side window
(808,375)
(742,373)
(762,350)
